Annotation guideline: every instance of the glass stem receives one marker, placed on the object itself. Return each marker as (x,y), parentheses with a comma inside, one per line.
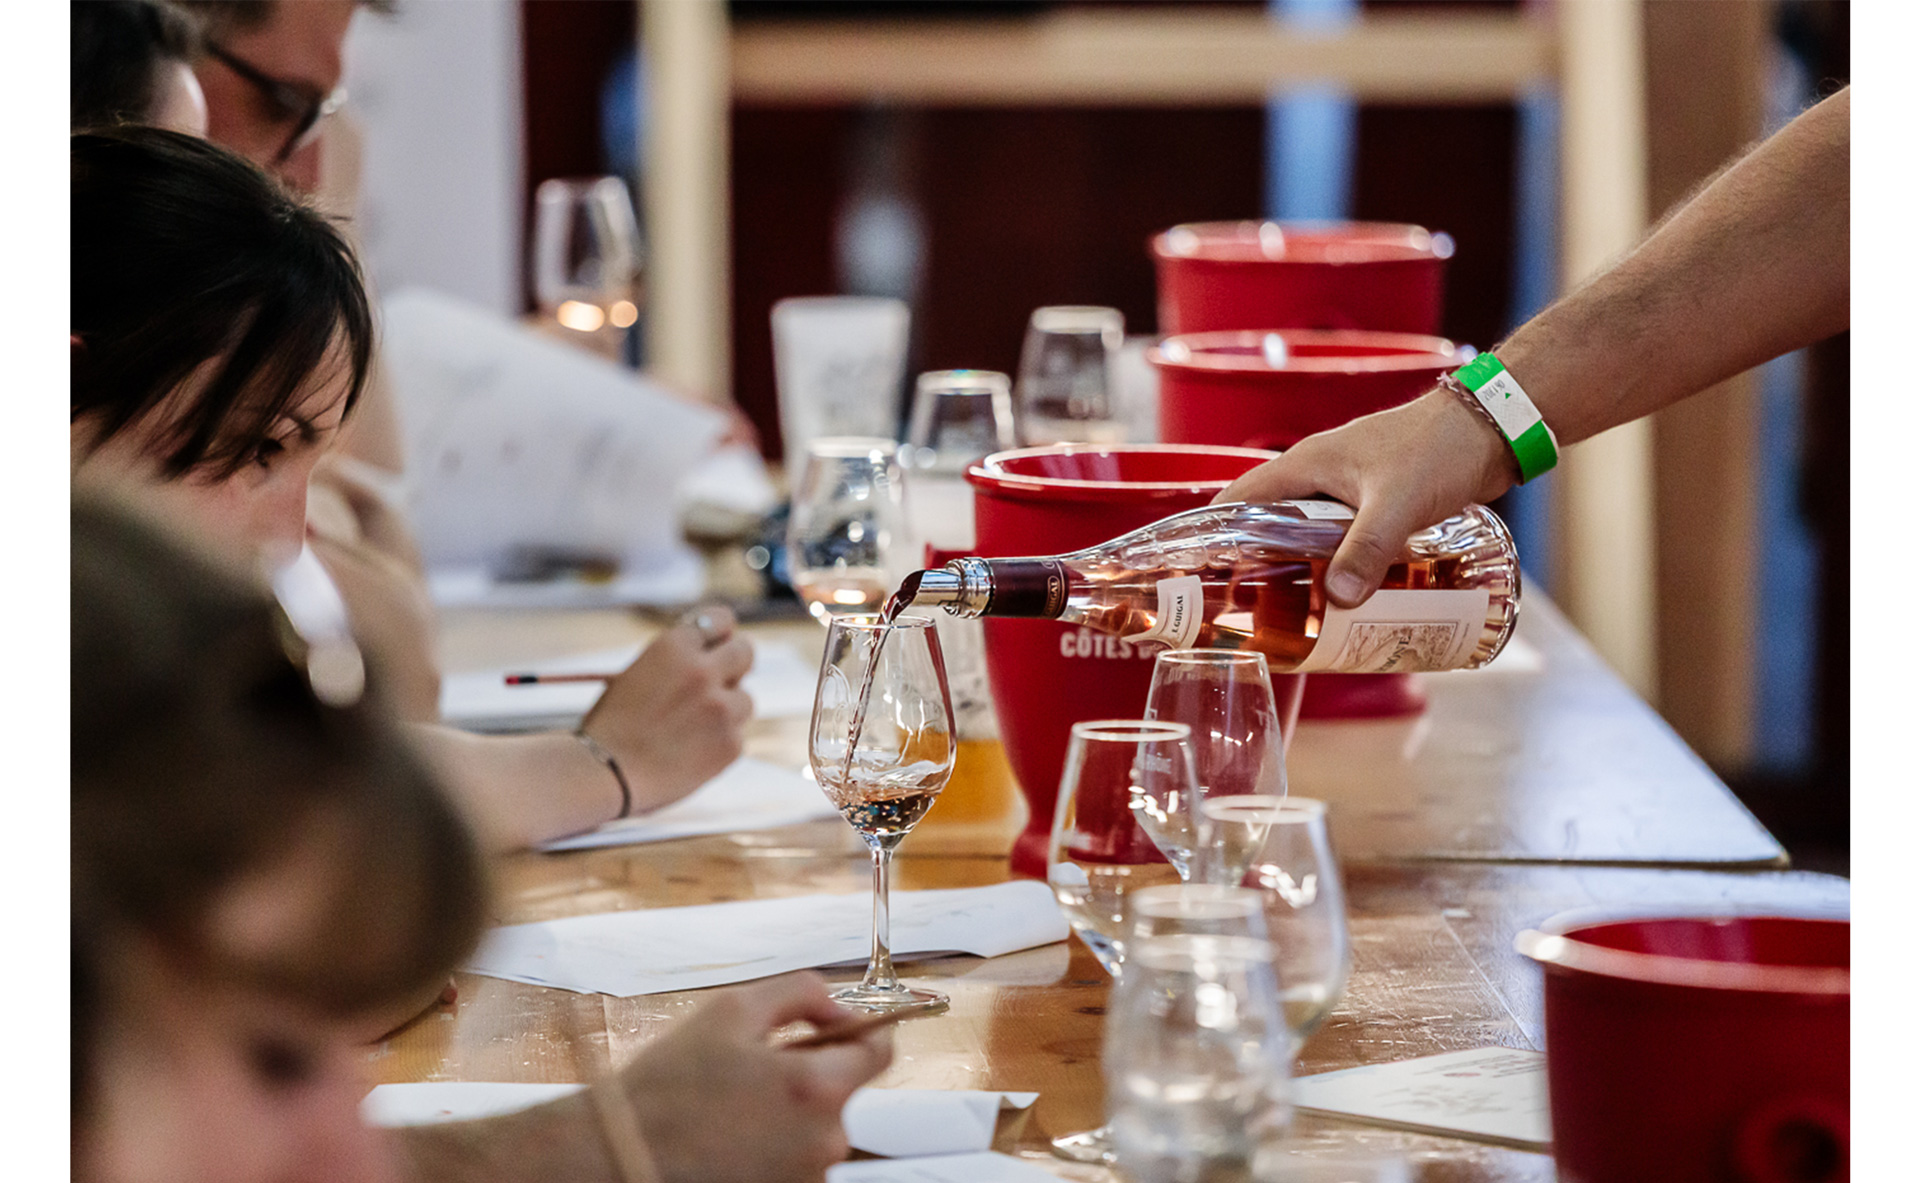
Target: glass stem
(880,964)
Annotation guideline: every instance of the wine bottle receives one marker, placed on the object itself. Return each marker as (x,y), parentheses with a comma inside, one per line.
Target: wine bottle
(1249,575)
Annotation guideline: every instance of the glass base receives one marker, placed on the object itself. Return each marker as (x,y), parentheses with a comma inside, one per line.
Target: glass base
(1095,1146)
(873,998)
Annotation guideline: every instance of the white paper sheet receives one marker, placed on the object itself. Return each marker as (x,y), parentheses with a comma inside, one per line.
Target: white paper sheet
(903,1122)
(747,795)
(780,683)
(668,579)
(892,1122)
(663,949)
(987,1167)
(1493,1094)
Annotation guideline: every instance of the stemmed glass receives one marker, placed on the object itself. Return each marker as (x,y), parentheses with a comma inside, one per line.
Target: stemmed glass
(847,525)
(1226,697)
(1118,772)
(1065,389)
(881,745)
(1196,1058)
(1283,844)
(586,257)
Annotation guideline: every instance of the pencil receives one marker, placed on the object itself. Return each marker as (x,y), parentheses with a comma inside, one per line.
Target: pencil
(619,1129)
(556,679)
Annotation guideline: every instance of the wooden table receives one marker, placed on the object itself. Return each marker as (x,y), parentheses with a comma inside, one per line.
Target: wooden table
(1433,971)
(1538,785)
(1544,756)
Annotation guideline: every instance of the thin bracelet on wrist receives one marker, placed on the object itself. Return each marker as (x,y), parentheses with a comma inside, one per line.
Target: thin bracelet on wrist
(605,757)
(1492,390)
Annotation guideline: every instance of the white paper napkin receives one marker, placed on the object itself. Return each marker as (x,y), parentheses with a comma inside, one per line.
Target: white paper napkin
(663,949)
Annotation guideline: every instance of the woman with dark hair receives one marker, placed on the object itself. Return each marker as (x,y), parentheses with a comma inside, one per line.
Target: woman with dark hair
(264,874)
(221,336)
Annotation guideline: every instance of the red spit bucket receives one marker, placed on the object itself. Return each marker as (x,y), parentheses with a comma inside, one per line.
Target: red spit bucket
(1697,1049)
(1334,275)
(1271,390)
(1046,676)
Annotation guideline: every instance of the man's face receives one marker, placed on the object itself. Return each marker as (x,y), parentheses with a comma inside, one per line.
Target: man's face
(299,46)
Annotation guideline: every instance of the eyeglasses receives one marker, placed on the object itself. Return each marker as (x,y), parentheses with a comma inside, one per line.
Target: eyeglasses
(294,101)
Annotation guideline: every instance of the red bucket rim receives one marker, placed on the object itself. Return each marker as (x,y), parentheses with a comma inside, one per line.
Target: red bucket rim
(987,474)
(1556,945)
(1256,241)
(1208,353)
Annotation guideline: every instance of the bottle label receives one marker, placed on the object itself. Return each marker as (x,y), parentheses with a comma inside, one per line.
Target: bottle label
(1177,623)
(1322,511)
(1401,631)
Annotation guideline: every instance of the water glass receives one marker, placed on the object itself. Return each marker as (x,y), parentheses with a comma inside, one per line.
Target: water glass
(838,366)
(1226,697)
(586,257)
(1065,393)
(1199,909)
(846,535)
(1197,1058)
(1289,859)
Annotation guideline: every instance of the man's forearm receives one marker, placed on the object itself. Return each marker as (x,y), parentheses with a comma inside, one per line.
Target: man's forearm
(1754,266)
(521,790)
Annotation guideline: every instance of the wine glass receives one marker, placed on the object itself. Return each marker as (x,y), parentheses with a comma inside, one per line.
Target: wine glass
(1065,391)
(1282,842)
(958,417)
(1098,853)
(1197,1058)
(847,526)
(586,258)
(881,745)
(1226,697)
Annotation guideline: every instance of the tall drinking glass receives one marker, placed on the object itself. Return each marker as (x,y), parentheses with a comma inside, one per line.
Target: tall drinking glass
(1065,392)
(1098,853)
(849,522)
(1197,1059)
(1226,697)
(881,745)
(958,417)
(1289,859)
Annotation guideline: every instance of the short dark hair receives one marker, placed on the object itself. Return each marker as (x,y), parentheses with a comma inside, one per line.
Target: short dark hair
(119,47)
(187,256)
(201,754)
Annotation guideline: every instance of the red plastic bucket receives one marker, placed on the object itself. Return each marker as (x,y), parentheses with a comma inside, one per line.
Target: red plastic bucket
(1272,389)
(1046,676)
(1265,275)
(1697,1049)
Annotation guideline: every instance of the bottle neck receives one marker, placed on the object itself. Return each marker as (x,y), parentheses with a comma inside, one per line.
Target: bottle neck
(996,587)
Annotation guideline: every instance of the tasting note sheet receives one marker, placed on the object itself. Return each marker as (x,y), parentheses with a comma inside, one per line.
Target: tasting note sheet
(1489,1094)
(657,950)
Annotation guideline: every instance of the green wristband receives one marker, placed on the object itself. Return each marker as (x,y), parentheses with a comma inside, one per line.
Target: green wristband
(1519,421)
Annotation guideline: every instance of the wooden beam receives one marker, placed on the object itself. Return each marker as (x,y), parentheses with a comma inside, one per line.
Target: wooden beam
(1604,488)
(1149,57)
(1705,103)
(688,314)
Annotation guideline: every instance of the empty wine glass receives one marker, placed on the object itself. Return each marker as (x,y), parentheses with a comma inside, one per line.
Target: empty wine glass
(1065,392)
(1197,1058)
(958,417)
(1226,697)
(586,257)
(1283,844)
(1098,853)
(845,533)
(881,746)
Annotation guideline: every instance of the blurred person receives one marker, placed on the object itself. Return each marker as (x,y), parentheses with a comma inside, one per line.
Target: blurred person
(221,340)
(1752,266)
(263,873)
(132,63)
